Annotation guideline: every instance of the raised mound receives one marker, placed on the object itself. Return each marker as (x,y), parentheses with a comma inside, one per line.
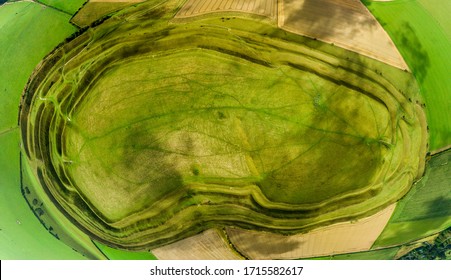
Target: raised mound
(145,132)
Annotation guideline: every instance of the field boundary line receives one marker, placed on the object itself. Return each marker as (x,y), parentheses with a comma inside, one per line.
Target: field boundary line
(438,151)
(8,130)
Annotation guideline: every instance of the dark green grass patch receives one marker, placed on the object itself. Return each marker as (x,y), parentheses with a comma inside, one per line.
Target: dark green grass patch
(28,31)
(405,232)
(431,196)
(421,31)
(67,6)
(426,209)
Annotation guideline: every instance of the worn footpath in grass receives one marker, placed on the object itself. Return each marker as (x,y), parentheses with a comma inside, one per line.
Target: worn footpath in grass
(426,209)
(28,31)
(421,31)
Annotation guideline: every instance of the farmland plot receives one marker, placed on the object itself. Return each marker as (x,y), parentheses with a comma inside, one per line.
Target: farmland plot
(261,7)
(426,209)
(331,240)
(345,23)
(208,245)
(421,32)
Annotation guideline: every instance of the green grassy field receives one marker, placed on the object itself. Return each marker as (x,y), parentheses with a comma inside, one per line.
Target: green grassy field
(21,234)
(115,254)
(421,31)
(51,218)
(439,11)
(27,33)
(426,209)
(67,6)
(180,146)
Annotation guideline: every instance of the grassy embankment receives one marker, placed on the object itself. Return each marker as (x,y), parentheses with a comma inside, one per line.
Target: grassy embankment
(27,33)
(426,209)
(210,123)
(93,11)
(421,31)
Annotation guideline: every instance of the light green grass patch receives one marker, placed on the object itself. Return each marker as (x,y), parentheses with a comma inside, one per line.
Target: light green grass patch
(439,11)
(28,31)
(420,30)
(67,6)
(116,254)
(21,234)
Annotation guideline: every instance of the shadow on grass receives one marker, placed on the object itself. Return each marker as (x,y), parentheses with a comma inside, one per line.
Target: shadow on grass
(277,246)
(439,207)
(420,62)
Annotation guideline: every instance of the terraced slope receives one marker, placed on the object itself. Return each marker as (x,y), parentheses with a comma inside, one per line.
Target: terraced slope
(27,33)
(145,131)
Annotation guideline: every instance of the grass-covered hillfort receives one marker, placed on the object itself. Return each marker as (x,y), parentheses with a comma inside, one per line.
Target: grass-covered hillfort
(135,126)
